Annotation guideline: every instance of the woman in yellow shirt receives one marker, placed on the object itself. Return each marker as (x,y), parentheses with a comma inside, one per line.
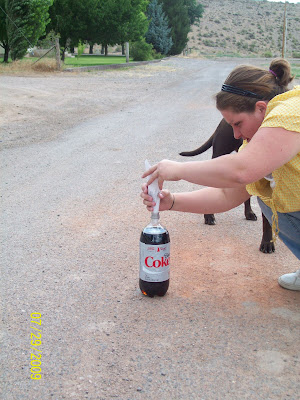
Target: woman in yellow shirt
(262,111)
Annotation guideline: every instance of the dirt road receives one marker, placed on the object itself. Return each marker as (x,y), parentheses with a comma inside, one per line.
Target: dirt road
(73,150)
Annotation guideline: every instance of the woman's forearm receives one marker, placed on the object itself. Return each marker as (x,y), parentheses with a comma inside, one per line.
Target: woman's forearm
(268,150)
(210,200)
(221,172)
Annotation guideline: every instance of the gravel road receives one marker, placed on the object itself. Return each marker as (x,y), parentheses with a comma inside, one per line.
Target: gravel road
(73,151)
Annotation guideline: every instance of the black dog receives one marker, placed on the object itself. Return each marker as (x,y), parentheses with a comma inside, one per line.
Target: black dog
(223,142)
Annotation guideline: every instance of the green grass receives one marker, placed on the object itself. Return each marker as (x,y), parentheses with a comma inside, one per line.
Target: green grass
(84,61)
(296,70)
(90,60)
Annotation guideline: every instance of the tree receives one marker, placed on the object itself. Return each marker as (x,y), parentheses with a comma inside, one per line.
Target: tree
(179,22)
(91,20)
(25,23)
(93,26)
(98,21)
(159,32)
(195,10)
(3,32)
(123,21)
(134,23)
(18,17)
(67,21)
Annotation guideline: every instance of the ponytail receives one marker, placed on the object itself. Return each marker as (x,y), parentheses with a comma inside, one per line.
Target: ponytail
(266,84)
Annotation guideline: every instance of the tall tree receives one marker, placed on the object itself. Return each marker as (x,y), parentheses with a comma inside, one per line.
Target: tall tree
(159,32)
(179,22)
(93,17)
(134,23)
(68,20)
(26,22)
(98,21)
(195,10)
(3,31)
(123,21)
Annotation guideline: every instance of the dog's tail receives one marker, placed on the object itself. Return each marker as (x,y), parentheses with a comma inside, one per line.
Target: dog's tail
(200,149)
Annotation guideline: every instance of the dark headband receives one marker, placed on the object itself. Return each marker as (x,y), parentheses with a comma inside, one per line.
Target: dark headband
(240,92)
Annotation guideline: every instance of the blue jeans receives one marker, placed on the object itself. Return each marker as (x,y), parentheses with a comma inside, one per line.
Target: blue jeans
(289,227)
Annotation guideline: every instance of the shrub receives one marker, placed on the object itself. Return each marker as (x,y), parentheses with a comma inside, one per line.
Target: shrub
(252,47)
(268,54)
(141,51)
(47,65)
(209,43)
(81,48)
(156,55)
(208,34)
(296,54)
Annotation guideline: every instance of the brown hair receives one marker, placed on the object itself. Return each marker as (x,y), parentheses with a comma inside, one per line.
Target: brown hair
(260,81)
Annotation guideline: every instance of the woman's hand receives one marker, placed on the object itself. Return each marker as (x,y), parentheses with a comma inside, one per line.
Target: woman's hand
(166,199)
(165,170)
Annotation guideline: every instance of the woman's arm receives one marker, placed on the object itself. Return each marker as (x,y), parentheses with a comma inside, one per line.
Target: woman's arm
(210,200)
(269,149)
(203,201)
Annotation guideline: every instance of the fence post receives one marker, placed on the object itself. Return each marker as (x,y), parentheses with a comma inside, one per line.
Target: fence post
(57,48)
(127,51)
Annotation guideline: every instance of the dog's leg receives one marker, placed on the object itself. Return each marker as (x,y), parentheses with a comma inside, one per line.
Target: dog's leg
(209,219)
(249,214)
(266,246)
(223,143)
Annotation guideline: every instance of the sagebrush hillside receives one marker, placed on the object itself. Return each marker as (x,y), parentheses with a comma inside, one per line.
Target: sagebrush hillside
(246,28)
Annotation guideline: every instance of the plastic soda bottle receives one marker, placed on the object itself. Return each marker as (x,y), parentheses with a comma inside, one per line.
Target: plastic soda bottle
(154,258)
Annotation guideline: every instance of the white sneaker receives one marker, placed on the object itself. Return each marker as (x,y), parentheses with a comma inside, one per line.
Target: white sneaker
(290,281)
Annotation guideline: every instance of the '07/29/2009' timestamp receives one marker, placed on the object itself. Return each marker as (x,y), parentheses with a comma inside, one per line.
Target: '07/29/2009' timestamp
(35,342)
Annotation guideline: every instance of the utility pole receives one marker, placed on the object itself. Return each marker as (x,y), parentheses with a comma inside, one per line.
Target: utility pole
(284,32)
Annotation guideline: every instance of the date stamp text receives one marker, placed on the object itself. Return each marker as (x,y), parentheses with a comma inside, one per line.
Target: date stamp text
(36,342)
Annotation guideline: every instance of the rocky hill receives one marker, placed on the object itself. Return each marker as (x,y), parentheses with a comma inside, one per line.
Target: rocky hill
(246,28)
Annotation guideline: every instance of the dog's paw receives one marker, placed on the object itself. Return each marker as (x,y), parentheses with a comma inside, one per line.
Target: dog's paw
(267,247)
(250,216)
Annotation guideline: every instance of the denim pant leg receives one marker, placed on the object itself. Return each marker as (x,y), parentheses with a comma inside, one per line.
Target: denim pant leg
(289,227)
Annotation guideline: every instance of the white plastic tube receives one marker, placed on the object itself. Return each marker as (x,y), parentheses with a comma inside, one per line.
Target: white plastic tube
(153,189)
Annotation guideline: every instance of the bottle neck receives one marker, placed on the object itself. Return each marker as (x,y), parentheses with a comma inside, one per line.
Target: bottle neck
(154,219)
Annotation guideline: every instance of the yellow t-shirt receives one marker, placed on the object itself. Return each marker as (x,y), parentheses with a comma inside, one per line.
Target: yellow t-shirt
(283,111)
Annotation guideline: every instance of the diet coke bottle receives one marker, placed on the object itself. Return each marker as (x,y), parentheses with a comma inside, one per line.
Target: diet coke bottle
(154,258)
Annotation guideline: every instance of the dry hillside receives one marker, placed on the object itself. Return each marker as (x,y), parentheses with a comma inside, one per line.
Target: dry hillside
(246,27)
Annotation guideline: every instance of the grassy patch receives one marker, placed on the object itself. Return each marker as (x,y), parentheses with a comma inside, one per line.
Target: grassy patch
(90,60)
(27,66)
(48,64)
(296,69)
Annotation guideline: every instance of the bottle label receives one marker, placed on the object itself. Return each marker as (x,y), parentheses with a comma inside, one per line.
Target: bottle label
(154,262)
